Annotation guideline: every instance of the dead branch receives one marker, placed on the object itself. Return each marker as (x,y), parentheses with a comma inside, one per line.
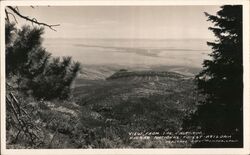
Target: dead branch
(24,126)
(13,16)
(13,108)
(16,102)
(53,137)
(7,16)
(32,20)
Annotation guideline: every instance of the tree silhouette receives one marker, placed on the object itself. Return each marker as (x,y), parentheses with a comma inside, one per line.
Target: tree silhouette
(221,81)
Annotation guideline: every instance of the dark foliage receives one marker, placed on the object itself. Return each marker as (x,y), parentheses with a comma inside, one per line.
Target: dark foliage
(31,68)
(31,76)
(221,80)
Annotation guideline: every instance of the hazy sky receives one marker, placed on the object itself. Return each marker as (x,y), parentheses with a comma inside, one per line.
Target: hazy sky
(156,22)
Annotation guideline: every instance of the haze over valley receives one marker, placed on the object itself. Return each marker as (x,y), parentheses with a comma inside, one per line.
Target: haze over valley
(100,58)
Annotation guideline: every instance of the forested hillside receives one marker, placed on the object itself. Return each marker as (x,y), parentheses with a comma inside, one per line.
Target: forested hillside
(135,102)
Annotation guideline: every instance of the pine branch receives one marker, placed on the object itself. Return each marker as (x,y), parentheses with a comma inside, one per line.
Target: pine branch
(33,20)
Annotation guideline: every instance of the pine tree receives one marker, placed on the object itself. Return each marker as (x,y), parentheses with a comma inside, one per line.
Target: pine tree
(221,80)
(32,69)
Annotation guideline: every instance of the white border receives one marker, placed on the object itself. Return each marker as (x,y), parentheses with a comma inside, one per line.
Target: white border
(246,58)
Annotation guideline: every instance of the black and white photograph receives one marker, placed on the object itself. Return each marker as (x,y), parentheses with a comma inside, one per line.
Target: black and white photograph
(99,76)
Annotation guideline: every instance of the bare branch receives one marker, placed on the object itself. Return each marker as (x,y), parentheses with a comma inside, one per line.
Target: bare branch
(17,8)
(32,20)
(7,16)
(13,16)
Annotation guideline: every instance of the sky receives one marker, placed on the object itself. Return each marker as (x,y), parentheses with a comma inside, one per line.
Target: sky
(136,22)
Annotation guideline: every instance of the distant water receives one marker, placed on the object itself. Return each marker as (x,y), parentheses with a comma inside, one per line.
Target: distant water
(132,52)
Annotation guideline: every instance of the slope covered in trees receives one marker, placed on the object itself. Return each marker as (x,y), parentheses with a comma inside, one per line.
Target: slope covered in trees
(136,102)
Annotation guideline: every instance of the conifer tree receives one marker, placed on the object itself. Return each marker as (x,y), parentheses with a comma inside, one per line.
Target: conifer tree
(32,69)
(221,80)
